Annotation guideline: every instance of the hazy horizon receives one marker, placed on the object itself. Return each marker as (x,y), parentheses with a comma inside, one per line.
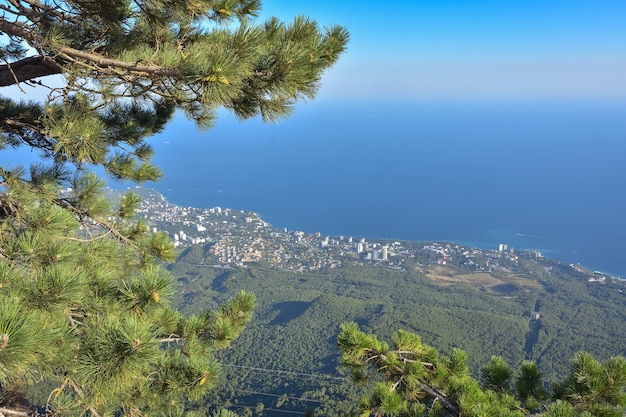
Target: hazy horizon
(476,49)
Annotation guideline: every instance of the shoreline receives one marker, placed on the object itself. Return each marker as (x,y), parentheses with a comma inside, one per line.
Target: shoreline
(487,246)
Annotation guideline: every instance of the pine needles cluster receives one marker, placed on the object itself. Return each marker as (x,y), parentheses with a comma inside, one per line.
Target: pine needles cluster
(413,380)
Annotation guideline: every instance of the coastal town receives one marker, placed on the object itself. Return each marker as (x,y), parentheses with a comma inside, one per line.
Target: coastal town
(236,238)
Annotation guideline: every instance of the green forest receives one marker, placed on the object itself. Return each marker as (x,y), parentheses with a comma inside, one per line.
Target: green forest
(287,358)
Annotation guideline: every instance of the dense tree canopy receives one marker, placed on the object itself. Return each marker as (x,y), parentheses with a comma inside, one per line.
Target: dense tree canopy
(84,312)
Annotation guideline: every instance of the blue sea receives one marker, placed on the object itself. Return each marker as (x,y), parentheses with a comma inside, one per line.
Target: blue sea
(547,176)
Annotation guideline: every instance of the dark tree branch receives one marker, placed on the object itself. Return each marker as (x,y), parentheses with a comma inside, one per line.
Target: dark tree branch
(110,229)
(38,66)
(432,393)
(436,395)
(103,62)
(27,69)
(10,412)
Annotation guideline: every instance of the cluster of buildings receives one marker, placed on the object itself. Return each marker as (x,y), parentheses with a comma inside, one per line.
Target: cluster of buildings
(236,238)
(504,259)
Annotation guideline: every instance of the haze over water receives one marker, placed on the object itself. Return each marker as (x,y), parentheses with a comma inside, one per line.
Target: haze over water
(547,176)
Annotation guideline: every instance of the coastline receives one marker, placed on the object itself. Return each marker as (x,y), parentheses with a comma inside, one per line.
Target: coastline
(323,240)
(495,237)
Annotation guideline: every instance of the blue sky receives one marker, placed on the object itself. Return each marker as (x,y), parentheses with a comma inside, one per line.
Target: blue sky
(476,49)
(471,49)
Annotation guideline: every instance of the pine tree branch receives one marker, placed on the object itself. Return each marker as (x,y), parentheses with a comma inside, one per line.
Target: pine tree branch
(27,69)
(30,67)
(39,66)
(102,62)
(16,79)
(427,389)
(397,383)
(73,321)
(17,124)
(18,6)
(172,338)
(9,412)
(39,10)
(30,133)
(110,229)
(54,393)
(78,390)
(400,353)
(93,239)
(19,29)
(437,396)
(6,9)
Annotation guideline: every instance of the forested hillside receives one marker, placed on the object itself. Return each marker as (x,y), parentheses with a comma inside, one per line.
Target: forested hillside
(287,359)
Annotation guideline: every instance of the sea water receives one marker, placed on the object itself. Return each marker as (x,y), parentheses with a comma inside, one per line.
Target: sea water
(542,176)
(547,176)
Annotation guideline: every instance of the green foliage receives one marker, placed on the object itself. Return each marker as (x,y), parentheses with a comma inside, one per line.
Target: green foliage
(84,307)
(594,387)
(442,386)
(84,297)
(23,346)
(497,375)
(415,373)
(528,384)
